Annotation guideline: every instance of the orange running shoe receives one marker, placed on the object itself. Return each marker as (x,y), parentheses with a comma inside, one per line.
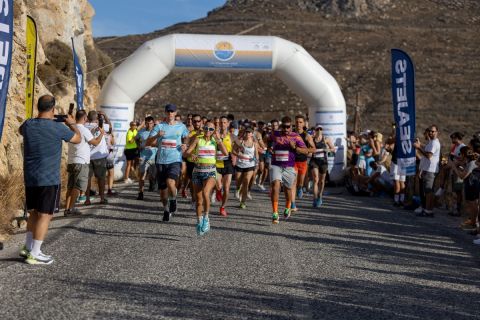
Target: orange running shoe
(219,195)
(223,212)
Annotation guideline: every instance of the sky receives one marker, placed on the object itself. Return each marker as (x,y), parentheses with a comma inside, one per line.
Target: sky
(122,17)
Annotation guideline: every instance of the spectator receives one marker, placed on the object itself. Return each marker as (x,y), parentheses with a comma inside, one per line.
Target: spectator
(131,150)
(42,150)
(429,168)
(78,162)
(110,139)
(98,156)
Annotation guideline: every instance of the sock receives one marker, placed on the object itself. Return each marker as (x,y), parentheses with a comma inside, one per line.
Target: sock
(205,215)
(293,206)
(37,245)
(396,197)
(288,204)
(275,206)
(402,197)
(29,241)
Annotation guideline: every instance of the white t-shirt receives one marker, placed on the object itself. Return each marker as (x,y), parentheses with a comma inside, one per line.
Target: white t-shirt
(472,165)
(101,150)
(80,153)
(431,165)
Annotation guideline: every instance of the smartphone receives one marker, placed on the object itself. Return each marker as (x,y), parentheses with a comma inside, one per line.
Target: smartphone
(60,118)
(100,121)
(70,108)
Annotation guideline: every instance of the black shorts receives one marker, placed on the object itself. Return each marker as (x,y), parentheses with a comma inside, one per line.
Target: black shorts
(227,168)
(190,166)
(167,171)
(471,191)
(261,157)
(241,170)
(321,165)
(131,154)
(43,199)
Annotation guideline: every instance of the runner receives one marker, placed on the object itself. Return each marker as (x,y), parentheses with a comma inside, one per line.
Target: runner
(148,153)
(169,136)
(301,165)
(224,164)
(195,132)
(247,154)
(202,151)
(259,135)
(285,144)
(319,164)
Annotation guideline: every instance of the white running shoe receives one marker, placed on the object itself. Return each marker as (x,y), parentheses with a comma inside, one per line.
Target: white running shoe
(261,187)
(476,241)
(418,210)
(439,192)
(237,194)
(249,196)
(213,198)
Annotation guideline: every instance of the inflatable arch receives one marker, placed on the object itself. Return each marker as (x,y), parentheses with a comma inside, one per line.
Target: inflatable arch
(156,58)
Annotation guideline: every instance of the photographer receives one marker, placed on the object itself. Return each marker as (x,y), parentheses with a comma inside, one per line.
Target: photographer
(42,138)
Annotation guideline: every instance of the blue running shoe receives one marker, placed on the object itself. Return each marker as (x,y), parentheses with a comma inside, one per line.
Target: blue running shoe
(199,227)
(319,202)
(300,193)
(206,224)
(315,205)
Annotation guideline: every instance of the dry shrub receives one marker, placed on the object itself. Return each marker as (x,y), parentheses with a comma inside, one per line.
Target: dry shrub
(96,59)
(12,195)
(49,75)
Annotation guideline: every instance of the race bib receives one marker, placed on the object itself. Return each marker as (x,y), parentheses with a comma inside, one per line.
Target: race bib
(206,152)
(319,153)
(281,155)
(221,156)
(169,143)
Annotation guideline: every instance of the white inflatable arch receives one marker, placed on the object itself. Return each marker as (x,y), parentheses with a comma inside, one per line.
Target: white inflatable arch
(155,59)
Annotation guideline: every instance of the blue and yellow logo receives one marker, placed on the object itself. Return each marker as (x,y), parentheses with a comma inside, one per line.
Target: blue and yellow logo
(224,51)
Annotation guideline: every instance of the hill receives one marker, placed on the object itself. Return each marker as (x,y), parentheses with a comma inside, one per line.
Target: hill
(352,40)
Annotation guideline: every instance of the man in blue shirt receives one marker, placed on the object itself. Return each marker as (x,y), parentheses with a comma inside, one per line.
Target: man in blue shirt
(42,148)
(147,156)
(168,137)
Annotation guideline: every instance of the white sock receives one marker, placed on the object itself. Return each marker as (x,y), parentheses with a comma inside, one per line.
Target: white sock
(36,249)
(29,241)
(205,215)
(402,197)
(396,197)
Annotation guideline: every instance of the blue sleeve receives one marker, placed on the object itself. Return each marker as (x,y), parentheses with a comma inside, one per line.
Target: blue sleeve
(155,130)
(185,132)
(64,132)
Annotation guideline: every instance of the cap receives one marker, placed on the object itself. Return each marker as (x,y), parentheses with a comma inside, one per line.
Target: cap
(318,126)
(248,129)
(170,107)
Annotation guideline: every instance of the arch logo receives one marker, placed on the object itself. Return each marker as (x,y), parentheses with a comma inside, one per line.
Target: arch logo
(224,51)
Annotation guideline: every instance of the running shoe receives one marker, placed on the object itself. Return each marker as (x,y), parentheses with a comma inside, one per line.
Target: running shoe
(314,204)
(286,213)
(319,202)
(40,259)
(166,216)
(213,198)
(223,212)
(219,195)
(140,196)
(199,227)
(237,194)
(300,193)
(418,210)
(206,224)
(82,199)
(184,193)
(243,205)
(24,252)
(476,241)
(261,187)
(72,212)
(439,192)
(275,218)
(172,206)
(249,196)
(293,208)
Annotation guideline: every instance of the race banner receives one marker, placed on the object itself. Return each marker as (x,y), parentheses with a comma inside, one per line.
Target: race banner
(31,64)
(78,78)
(6,44)
(403,95)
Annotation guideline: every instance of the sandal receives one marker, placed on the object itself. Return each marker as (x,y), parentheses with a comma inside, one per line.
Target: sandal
(87,203)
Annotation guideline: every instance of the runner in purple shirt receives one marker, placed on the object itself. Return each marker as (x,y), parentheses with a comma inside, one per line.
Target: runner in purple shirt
(285,144)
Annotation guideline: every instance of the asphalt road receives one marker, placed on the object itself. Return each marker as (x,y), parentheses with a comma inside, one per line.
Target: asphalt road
(355,258)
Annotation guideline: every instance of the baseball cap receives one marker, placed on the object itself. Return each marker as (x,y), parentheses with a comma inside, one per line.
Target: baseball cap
(170,107)
(248,129)
(318,126)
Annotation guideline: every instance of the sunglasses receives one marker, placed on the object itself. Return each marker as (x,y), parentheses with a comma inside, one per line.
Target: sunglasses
(432,131)
(286,126)
(209,129)
(197,121)
(318,129)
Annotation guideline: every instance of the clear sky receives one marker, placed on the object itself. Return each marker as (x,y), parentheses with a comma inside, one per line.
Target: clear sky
(122,17)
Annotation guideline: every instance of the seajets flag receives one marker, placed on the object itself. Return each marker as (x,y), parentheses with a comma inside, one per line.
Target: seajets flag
(6,43)
(31,62)
(78,78)
(403,94)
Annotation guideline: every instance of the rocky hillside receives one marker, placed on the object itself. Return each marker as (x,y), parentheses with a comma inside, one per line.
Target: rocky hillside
(352,40)
(57,21)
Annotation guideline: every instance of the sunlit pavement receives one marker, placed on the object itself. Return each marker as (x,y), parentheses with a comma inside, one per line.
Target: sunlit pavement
(354,258)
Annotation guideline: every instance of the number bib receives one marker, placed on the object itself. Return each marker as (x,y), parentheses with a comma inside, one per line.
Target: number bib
(169,143)
(281,155)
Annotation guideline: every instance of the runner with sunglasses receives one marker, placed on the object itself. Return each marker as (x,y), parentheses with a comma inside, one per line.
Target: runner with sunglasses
(285,145)
(319,164)
(168,136)
(203,151)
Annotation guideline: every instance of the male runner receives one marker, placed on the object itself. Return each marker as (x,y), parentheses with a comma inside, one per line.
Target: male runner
(169,135)
(147,156)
